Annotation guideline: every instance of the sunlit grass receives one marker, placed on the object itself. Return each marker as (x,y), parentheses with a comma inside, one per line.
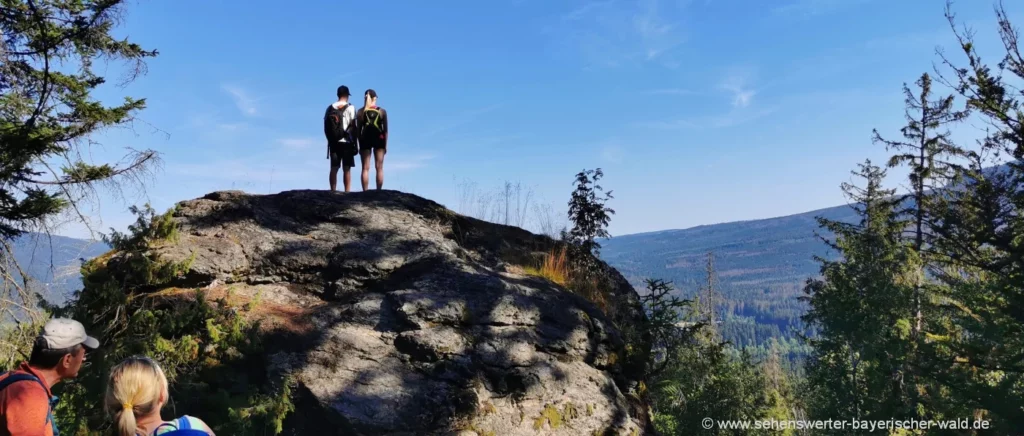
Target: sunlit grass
(554,268)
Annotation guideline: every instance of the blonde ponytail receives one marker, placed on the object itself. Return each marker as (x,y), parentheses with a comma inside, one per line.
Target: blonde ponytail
(133,390)
(125,420)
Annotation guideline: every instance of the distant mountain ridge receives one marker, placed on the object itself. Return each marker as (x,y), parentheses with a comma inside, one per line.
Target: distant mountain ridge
(762,265)
(764,251)
(53,262)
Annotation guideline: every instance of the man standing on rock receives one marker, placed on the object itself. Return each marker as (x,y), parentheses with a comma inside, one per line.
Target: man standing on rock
(26,400)
(339,122)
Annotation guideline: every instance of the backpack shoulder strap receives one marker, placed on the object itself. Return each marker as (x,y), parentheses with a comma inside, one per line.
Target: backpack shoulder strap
(178,424)
(183,427)
(184,423)
(14,378)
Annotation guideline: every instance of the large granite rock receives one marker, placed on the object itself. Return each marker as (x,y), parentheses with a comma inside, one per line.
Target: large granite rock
(397,316)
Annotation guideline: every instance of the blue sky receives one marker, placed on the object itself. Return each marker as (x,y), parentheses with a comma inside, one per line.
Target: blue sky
(698,111)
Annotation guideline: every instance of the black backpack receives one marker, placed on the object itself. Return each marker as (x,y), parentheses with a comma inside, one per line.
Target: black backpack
(371,126)
(333,124)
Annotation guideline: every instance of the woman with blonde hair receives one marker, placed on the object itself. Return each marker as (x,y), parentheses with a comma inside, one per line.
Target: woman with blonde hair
(136,392)
(372,125)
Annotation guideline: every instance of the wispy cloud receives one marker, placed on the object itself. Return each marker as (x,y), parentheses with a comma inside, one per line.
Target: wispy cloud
(741,96)
(243,100)
(610,33)
(297,143)
(737,84)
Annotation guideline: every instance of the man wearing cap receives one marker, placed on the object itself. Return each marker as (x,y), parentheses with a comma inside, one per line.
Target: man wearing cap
(343,152)
(26,400)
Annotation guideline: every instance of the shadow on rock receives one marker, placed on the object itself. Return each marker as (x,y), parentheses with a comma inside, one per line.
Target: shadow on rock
(412,324)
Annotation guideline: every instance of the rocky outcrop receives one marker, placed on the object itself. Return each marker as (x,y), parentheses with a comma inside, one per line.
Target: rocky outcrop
(397,316)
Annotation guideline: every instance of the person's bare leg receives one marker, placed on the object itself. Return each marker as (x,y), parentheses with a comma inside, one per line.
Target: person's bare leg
(378,160)
(334,179)
(348,179)
(365,155)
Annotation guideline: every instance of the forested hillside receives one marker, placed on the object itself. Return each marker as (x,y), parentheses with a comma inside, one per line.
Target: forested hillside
(761,266)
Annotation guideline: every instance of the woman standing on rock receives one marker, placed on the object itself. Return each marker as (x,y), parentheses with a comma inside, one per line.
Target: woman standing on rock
(372,125)
(136,392)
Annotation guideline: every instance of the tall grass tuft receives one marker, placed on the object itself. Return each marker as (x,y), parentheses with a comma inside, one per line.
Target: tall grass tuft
(554,268)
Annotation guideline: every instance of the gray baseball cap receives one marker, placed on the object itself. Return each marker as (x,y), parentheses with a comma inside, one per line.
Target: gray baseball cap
(61,333)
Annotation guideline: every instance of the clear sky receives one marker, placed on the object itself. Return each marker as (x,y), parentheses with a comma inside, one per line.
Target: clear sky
(699,111)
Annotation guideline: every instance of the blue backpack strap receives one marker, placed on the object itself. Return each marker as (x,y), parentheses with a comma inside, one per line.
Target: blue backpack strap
(184,424)
(16,377)
(182,427)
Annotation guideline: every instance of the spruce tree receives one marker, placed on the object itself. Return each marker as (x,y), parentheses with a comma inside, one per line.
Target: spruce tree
(928,151)
(979,348)
(48,115)
(588,212)
(860,309)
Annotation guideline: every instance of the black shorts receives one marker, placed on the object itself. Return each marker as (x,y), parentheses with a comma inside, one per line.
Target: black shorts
(369,146)
(342,157)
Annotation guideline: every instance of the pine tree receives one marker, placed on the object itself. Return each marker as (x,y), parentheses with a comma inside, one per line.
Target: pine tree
(979,348)
(860,309)
(47,114)
(927,150)
(664,314)
(588,212)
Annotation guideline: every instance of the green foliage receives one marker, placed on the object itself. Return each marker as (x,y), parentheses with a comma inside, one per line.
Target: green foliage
(664,313)
(148,227)
(586,274)
(587,211)
(708,383)
(48,117)
(929,325)
(693,375)
(861,359)
(590,218)
(16,342)
(48,113)
(213,358)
